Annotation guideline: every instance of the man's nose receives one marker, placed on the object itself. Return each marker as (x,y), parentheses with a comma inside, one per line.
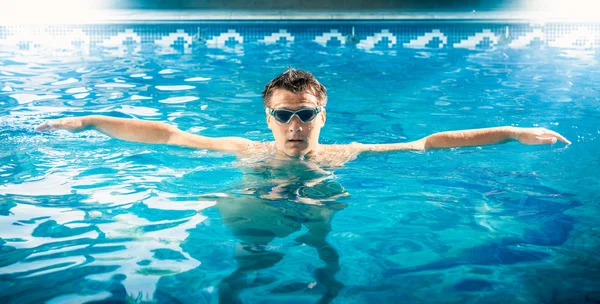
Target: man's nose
(295,125)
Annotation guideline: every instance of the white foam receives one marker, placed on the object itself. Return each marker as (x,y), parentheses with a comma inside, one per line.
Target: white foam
(175,88)
(182,99)
(168,71)
(137,75)
(197,79)
(28,98)
(6,89)
(141,111)
(76,90)
(115,85)
(42,109)
(66,81)
(139,97)
(81,95)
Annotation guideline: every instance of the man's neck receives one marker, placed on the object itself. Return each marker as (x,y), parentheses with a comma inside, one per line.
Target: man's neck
(313,152)
(308,155)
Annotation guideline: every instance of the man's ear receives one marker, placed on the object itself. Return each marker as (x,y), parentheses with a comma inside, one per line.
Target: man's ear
(269,121)
(323,117)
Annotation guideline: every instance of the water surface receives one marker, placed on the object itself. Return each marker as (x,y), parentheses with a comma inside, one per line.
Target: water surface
(86,218)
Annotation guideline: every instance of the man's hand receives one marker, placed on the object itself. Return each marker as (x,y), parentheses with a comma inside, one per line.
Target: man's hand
(538,136)
(72,124)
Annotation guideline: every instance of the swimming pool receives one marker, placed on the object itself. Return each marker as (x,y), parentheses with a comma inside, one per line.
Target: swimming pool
(86,218)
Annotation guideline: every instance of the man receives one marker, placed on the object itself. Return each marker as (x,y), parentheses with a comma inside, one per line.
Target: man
(295,112)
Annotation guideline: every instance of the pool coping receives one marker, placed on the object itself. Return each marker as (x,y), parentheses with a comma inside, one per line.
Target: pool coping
(145,16)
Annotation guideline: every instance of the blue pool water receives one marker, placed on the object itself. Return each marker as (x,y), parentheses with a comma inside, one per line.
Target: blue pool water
(85,218)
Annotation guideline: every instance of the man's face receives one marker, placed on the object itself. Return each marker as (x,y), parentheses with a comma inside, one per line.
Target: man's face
(295,138)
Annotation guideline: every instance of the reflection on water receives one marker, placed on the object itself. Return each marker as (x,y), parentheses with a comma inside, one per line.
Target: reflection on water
(42,245)
(125,241)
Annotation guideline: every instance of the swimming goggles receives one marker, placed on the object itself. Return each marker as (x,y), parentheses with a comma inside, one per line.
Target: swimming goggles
(284,116)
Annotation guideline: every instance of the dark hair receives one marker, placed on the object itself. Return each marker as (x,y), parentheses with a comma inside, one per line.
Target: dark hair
(295,81)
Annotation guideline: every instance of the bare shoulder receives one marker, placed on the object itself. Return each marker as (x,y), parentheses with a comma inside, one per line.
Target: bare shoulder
(257,148)
(416,145)
(353,147)
(337,154)
(340,154)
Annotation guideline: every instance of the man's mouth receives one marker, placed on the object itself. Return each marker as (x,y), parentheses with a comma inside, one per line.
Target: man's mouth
(296,140)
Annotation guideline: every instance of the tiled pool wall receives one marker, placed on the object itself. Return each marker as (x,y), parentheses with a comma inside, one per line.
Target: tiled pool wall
(360,34)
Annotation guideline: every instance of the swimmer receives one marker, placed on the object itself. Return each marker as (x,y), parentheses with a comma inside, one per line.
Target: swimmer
(295,112)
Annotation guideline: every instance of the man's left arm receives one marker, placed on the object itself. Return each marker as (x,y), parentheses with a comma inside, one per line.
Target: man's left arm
(474,137)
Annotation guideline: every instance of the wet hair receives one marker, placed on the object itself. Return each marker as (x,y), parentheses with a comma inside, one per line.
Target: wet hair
(295,81)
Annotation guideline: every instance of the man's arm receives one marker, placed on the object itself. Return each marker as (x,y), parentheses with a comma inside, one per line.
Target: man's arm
(474,137)
(146,132)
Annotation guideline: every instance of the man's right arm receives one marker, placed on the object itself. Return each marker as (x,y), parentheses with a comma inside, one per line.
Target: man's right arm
(146,132)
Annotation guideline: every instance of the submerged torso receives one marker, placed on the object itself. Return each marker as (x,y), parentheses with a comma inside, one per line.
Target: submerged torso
(276,197)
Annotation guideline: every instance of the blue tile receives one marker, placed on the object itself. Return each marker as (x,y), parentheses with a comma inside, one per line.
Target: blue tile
(390,35)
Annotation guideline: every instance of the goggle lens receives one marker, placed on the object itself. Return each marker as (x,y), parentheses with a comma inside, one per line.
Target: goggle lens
(284,116)
(306,115)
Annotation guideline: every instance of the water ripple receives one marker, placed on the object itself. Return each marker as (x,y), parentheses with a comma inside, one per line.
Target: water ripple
(104,219)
